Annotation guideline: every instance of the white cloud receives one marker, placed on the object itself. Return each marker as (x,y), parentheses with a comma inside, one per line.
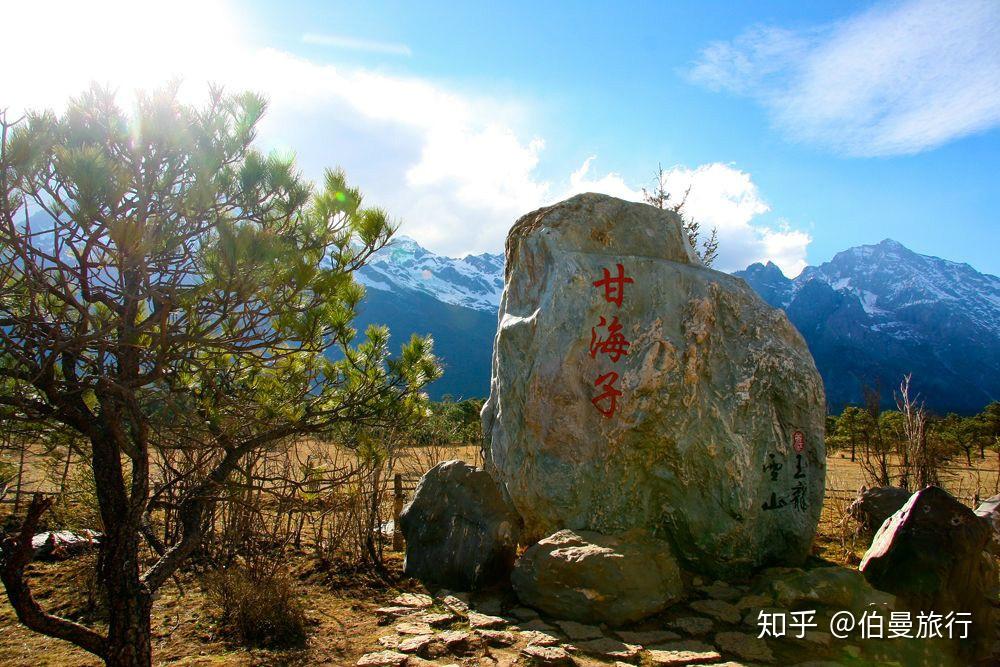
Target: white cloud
(722,197)
(717,196)
(355,44)
(456,167)
(899,78)
(609,184)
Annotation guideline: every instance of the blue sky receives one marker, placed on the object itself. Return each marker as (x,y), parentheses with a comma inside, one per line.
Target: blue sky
(801,128)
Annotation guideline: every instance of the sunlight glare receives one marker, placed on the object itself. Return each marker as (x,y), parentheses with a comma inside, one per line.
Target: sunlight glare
(127,45)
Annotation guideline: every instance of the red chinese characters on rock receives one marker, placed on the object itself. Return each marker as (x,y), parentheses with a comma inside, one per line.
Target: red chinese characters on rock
(613,344)
(611,394)
(614,287)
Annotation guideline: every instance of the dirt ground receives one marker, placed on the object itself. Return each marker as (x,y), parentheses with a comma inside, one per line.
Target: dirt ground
(340,613)
(340,610)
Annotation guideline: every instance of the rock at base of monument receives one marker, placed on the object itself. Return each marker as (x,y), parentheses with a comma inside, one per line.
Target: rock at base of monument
(990,510)
(461,532)
(873,506)
(833,587)
(592,578)
(930,554)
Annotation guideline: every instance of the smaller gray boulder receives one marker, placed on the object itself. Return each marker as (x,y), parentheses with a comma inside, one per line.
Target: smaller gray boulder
(461,531)
(873,506)
(593,578)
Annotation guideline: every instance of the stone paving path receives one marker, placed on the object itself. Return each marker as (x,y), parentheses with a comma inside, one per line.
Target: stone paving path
(717,627)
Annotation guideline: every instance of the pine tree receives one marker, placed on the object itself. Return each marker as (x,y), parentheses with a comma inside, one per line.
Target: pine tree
(158,274)
(661,198)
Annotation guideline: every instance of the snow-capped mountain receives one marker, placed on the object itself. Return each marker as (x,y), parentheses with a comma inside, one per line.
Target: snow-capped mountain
(888,278)
(869,315)
(473,281)
(876,312)
(455,300)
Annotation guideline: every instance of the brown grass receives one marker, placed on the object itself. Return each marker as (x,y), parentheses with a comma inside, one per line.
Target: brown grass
(339,607)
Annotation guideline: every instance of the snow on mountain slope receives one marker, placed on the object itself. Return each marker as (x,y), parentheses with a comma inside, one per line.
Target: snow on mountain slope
(473,281)
(889,279)
(869,315)
(875,313)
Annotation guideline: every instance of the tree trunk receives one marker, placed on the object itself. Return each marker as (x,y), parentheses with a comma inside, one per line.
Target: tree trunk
(65,473)
(129,600)
(20,477)
(129,606)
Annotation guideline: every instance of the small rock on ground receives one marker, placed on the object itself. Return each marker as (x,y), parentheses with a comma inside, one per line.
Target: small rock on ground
(538,638)
(720,590)
(487,604)
(646,637)
(744,646)
(456,640)
(748,601)
(477,620)
(411,628)
(717,609)
(382,659)
(454,605)
(538,625)
(696,626)
(579,631)
(389,614)
(417,600)
(608,648)
(677,658)
(547,656)
(524,613)
(435,620)
(415,644)
(497,638)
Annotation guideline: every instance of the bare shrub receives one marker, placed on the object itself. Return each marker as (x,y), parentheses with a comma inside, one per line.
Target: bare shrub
(846,531)
(919,461)
(77,506)
(257,604)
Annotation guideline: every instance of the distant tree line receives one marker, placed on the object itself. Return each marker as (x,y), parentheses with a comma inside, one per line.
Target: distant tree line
(907,447)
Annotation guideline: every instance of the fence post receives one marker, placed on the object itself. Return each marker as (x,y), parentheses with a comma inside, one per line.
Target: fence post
(397,509)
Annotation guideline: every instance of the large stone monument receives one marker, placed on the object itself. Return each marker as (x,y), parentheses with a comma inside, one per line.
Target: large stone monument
(634,388)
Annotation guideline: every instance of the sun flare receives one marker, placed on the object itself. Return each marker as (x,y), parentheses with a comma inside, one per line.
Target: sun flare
(126,45)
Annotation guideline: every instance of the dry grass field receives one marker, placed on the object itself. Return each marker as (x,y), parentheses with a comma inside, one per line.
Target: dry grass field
(340,606)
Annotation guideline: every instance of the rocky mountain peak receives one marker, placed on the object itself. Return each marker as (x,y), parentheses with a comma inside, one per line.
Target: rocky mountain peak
(869,315)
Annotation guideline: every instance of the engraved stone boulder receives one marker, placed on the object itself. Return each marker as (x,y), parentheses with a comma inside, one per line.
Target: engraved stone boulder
(461,532)
(634,388)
